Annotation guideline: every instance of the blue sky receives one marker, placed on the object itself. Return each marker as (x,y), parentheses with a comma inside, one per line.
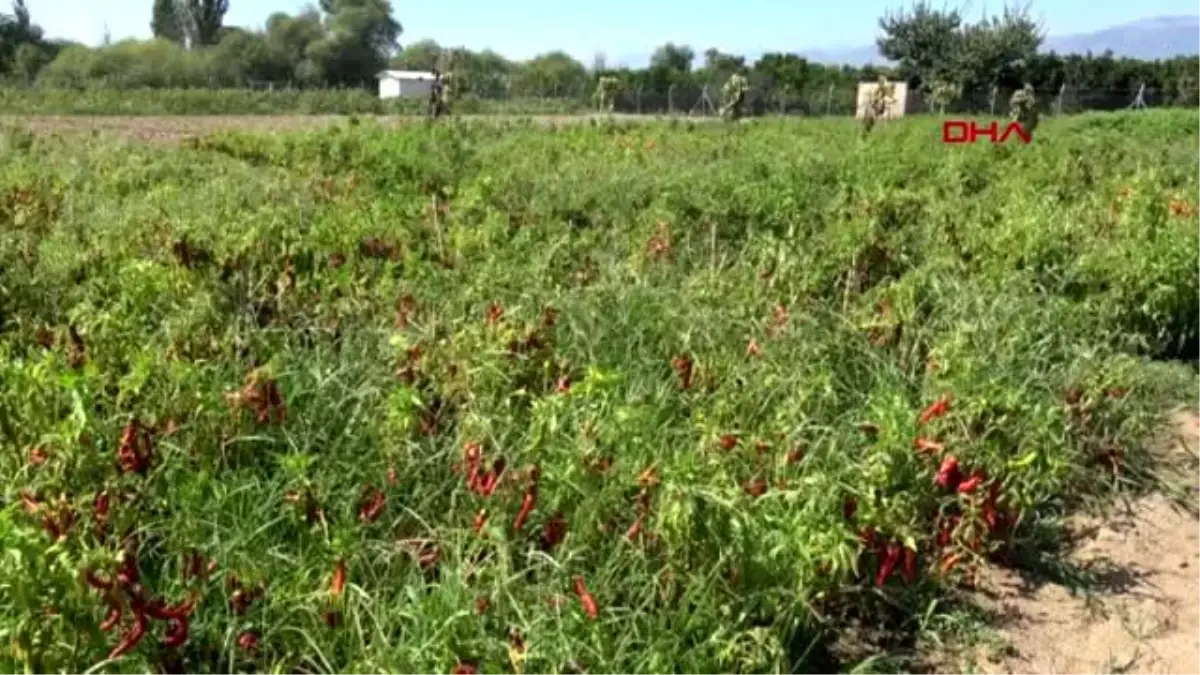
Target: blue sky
(621,29)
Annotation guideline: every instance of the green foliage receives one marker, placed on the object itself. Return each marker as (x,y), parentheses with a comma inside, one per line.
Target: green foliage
(166,22)
(936,45)
(732,306)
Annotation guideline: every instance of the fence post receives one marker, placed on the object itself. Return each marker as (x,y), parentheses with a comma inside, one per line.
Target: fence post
(670,99)
(1059,104)
(637,99)
(829,101)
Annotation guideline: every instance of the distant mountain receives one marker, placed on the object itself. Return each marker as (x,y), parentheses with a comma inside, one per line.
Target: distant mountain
(1157,38)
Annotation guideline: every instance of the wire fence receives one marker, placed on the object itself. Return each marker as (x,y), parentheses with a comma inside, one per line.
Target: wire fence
(509,95)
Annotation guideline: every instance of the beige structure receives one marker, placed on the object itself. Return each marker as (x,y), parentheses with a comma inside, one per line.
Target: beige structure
(899,99)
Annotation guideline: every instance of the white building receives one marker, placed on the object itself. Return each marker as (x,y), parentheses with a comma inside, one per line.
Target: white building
(404,83)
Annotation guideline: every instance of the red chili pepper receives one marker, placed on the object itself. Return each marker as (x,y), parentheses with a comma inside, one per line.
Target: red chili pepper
(527,504)
(495,312)
(136,448)
(755,487)
(949,562)
(100,508)
(634,530)
(30,502)
(910,565)
(157,609)
(946,531)
(248,641)
(97,582)
(890,559)
(473,456)
(948,475)
(554,531)
(972,482)
(849,508)
(464,668)
(486,485)
(338,582)
(935,410)
(728,442)
(683,366)
(372,507)
(111,619)
(927,446)
(128,574)
(868,536)
(132,637)
(586,599)
(529,500)
(177,632)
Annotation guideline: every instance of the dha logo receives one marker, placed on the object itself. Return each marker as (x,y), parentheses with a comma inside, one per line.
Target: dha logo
(967,131)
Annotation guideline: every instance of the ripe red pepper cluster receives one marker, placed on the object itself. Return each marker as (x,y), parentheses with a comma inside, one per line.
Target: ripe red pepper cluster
(950,476)
(136,450)
(126,593)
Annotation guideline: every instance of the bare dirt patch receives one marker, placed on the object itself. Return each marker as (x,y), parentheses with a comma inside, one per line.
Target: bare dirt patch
(1143,612)
(171,129)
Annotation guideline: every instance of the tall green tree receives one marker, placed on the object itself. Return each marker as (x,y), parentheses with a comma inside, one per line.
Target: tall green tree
(17,30)
(925,42)
(360,37)
(937,46)
(201,21)
(165,21)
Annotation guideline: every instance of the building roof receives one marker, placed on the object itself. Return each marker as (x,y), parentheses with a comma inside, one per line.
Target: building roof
(404,75)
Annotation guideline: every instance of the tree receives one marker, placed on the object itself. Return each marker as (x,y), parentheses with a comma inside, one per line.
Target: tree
(200,20)
(924,41)
(998,50)
(360,37)
(937,46)
(289,39)
(673,57)
(718,66)
(422,55)
(784,71)
(17,30)
(164,21)
(556,74)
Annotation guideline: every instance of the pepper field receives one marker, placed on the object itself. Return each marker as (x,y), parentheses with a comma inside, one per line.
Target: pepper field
(604,397)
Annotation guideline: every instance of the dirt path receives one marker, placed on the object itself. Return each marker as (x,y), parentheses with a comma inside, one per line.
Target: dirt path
(1144,614)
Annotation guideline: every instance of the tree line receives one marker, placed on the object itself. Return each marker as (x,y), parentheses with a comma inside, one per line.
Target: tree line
(344,43)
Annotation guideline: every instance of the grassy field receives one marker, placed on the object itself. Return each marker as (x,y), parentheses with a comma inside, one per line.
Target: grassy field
(112,101)
(591,398)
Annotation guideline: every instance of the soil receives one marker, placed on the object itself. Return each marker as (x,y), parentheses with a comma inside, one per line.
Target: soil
(1142,612)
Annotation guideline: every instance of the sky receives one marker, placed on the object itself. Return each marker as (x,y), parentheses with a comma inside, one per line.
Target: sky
(625,31)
